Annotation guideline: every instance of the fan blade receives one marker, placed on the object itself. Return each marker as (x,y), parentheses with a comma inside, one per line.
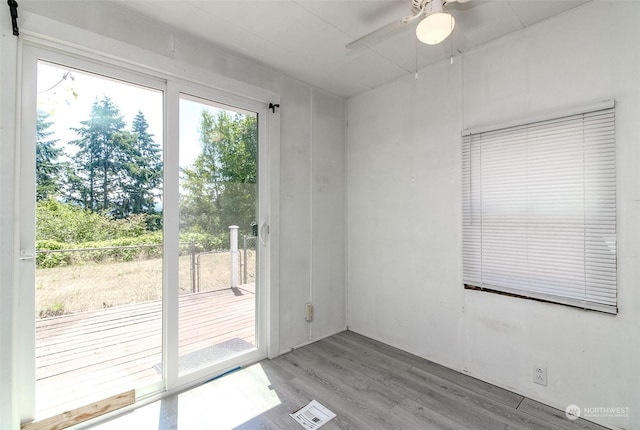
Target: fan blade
(379,34)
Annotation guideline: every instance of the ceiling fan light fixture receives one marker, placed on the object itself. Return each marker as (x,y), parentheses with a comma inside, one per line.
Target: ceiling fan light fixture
(436,26)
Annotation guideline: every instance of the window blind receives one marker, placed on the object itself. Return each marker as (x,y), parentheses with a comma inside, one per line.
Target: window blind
(539,209)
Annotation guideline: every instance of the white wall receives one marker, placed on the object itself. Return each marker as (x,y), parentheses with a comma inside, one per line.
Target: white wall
(404,212)
(311,203)
(312,212)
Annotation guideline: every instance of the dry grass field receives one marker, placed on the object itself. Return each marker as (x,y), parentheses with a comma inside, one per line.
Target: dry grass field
(78,288)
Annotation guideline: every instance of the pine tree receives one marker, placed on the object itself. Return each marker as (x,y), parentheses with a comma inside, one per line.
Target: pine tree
(101,161)
(48,168)
(145,168)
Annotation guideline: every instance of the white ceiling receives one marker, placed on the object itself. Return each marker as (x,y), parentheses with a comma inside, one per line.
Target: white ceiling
(306,39)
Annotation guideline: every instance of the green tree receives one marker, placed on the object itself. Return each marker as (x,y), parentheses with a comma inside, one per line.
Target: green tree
(120,170)
(237,140)
(220,188)
(96,162)
(48,168)
(145,168)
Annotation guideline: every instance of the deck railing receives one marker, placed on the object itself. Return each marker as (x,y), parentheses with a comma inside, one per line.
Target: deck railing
(239,266)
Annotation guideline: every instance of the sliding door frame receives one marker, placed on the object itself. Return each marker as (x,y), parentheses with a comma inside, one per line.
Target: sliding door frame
(33,48)
(175,89)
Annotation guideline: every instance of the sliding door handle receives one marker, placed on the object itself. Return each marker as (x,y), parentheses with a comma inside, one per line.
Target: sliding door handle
(264,232)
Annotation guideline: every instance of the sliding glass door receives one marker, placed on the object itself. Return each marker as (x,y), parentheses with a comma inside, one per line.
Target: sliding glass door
(218,207)
(93,193)
(139,254)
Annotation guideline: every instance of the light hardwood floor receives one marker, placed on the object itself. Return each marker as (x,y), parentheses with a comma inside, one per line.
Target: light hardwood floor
(369,385)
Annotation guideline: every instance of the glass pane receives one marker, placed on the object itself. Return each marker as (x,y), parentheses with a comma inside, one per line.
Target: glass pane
(218,204)
(98,237)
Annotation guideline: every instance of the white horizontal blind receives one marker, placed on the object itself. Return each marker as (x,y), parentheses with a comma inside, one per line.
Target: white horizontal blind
(539,210)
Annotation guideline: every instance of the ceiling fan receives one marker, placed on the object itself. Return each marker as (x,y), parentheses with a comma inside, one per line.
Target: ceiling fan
(436,25)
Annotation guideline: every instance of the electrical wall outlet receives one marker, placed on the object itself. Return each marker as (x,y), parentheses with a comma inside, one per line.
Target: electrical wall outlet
(308,312)
(540,375)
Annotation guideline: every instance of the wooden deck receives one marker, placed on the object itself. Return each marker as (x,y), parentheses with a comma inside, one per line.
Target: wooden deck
(85,357)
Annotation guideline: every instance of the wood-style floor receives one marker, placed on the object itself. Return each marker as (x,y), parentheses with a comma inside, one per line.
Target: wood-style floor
(369,385)
(85,357)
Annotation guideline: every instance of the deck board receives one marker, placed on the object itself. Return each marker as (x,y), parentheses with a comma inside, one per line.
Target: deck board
(87,356)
